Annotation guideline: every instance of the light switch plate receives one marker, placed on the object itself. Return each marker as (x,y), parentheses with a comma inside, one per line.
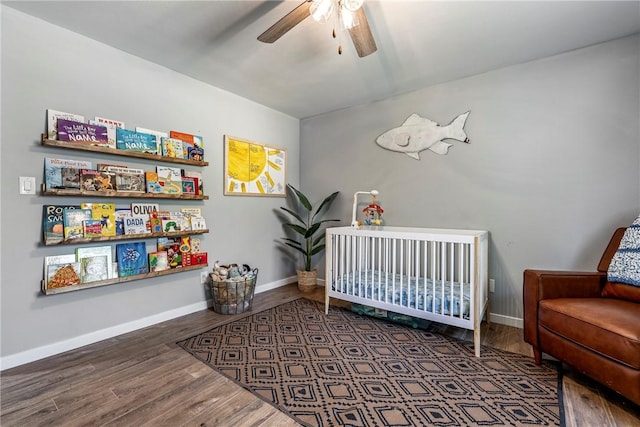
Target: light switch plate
(27,185)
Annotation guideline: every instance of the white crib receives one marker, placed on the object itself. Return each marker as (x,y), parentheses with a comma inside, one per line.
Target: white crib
(433,274)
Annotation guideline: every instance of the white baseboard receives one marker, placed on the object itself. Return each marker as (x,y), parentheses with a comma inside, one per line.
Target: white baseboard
(38,353)
(501,319)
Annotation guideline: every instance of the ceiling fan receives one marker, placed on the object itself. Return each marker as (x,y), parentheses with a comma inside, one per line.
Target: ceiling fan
(348,14)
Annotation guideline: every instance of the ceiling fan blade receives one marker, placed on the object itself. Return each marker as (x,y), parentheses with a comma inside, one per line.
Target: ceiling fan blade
(361,35)
(289,21)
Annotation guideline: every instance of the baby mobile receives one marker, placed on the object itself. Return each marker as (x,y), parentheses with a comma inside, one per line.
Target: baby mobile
(372,212)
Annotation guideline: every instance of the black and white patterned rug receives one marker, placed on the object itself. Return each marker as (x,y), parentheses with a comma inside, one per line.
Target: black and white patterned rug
(347,369)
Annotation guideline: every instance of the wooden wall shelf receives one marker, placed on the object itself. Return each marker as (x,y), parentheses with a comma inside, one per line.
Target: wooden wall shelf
(70,192)
(116,152)
(114,281)
(82,240)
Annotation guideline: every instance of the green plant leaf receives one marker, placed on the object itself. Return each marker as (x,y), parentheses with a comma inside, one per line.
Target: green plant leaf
(326,202)
(293,242)
(293,214)
(317,250)
(301,197)
(298,229)
(297,248)
(311,230)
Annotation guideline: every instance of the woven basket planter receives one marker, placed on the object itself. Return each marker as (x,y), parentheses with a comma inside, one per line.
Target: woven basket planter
(307,281)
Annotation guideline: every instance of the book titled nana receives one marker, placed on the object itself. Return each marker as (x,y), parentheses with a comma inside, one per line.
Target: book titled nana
(132,259)
(136,141)
(53,222)
(53,170)
(84,133)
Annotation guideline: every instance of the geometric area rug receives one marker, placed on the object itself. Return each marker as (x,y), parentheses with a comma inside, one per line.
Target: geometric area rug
(352,370)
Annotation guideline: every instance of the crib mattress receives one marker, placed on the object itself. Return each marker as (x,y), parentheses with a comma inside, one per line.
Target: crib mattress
(424,294)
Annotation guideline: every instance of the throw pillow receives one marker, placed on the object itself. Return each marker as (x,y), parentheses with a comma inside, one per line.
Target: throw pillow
(625,265)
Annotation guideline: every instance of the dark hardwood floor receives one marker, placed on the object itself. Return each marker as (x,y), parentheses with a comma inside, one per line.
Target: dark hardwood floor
(142,378)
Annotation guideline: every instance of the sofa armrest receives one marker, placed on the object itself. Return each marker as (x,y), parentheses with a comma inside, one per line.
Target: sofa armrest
(547,284)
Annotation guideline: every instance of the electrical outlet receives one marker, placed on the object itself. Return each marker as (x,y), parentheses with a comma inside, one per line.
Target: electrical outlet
(492,285)
(204,277)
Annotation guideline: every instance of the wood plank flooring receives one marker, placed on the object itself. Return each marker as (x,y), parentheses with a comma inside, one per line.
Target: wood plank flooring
(142,378)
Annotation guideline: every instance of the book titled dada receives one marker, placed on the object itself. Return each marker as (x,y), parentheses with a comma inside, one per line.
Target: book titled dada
(136,141)
(132,259)
(71,131)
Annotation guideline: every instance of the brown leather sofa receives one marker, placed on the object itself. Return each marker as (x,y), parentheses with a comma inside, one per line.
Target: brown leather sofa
(587,322)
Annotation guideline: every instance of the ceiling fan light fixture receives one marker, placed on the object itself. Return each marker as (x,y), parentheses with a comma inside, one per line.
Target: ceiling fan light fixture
(321,10)
(351,5)
(349,19)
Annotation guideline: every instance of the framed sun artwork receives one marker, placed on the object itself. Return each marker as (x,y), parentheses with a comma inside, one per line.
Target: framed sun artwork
(252,169)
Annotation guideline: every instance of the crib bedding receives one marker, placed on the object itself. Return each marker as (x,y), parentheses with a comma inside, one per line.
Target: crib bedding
(442,297)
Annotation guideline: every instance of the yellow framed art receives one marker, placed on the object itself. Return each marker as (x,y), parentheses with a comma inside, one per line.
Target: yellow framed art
(252,169)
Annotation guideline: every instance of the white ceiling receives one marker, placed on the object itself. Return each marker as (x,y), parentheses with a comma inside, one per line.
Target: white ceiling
(420,43)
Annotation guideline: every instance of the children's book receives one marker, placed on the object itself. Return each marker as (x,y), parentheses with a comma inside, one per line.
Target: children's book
(136,141)
(132,259)
(111,126)
(61,271)
(130,181)
(195,245)
(172,246)
(195,153)
(83,133)
(197,175)
(52,121)
(94,268)
(70,178)
(136,224)
(198,223)
(92,228)
(53,222)
(190,140)
(120,214)
(156,218)
(157,134)
(172,147)
(97,251)
(93,180)
(53,170)
(170,179)
(158,261)
(153,184)
(144,208)
(188,185)
(73,220)
(106,214)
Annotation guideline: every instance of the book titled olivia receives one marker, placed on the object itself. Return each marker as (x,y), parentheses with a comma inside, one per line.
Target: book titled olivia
(69,130)
(135,141)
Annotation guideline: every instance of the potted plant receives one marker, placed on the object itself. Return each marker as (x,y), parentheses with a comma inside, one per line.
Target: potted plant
(310,235)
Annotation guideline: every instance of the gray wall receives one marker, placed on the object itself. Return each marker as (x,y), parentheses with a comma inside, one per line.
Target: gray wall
(553,165)
(44,66)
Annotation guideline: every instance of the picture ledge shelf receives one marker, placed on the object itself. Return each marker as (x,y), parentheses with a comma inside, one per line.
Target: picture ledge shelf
(122,194)
(116,152)
(113,281)
(126,237)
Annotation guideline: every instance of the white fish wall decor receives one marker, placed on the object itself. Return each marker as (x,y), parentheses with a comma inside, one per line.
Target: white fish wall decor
(417,134)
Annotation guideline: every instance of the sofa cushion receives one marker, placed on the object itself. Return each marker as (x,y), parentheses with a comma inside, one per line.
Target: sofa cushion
(607,326)
(625,265)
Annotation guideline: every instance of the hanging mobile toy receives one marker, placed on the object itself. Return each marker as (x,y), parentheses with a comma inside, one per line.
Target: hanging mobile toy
(373,213)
